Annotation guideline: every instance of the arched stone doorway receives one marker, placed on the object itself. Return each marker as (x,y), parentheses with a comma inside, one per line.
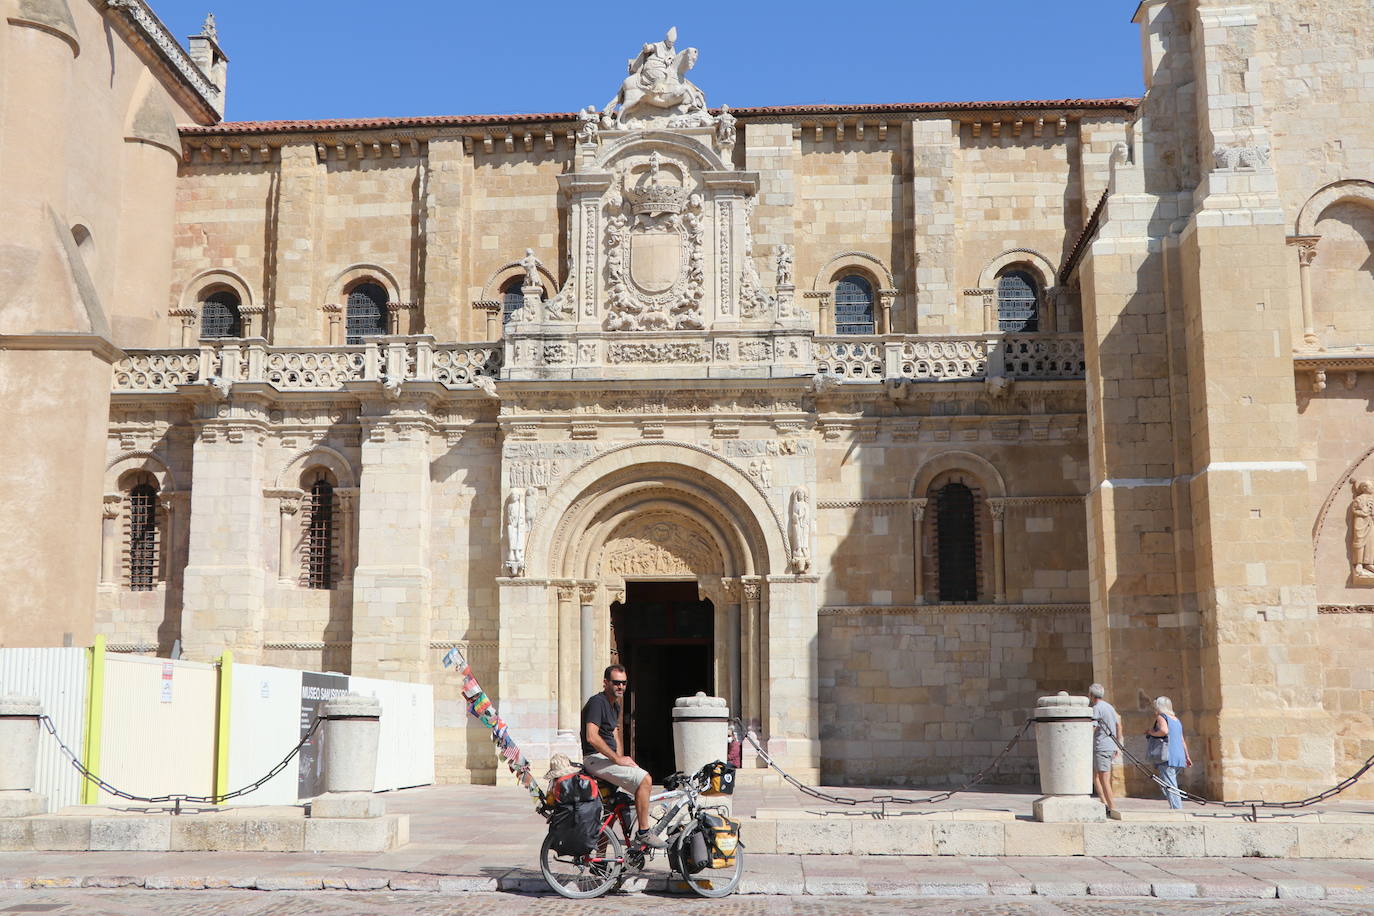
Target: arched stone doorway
(659,518)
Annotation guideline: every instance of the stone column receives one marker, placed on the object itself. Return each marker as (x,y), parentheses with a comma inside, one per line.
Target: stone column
(492,310)
(334,315)
(288,507)
(918,528)
(226,572)
(392,582)
(885,299)
(347,520)
(1064,751)
(751,652)
(187,323)
(998,508)
(109,538)
(735,622)
(1307,253)
(569,664)
(591,676)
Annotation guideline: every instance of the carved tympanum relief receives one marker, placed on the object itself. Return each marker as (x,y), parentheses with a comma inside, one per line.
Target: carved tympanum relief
(660,544)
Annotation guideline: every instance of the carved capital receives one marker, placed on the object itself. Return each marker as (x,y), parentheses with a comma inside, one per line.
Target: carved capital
(730,588)
(1307,248)
(288,500)
(111,504)
(566,593)
(331,309)
(752,588)
(918,508)
(998,508)
(586,592)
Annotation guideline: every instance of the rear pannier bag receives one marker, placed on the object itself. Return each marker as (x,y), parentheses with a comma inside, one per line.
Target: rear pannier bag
(722,838)
(575,814)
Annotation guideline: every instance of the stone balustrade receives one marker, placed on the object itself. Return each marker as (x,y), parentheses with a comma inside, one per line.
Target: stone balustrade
(945,358)
(845,358)
(309,368)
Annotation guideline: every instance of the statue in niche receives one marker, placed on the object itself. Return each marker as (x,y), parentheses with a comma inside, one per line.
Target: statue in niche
(1362,530)
(782,257)
(657,79)
(725,126)
(517,527)
(799,530)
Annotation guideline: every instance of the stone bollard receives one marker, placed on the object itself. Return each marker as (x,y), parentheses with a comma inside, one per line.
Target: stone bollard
(19,757)
(352,732)
(1064,744)
(701,733)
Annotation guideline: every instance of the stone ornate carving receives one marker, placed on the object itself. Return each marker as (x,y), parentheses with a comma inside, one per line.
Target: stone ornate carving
(208,29)
(654,259)
(530,265)
(660,546)
(998,508)
(725,127)
(588,124)
(782,261)
(537,473)
(656,353)
(657,88)
(754,303)
(761,471)
(517,528)
(799,530)
(1231,158)
(1362,530)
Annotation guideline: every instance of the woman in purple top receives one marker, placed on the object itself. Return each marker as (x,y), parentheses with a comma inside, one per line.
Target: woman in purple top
(1167,726)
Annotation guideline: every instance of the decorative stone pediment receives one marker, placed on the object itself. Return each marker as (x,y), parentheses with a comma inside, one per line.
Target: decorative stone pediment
(660,256)
(660,544)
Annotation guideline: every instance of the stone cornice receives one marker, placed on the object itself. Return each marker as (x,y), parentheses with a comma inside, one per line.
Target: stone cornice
(143,23)
(65,341)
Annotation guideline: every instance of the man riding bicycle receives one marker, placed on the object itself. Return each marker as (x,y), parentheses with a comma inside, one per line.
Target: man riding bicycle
(601,757)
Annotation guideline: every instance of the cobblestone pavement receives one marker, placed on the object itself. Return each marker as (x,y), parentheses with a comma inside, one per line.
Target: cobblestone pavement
(347,903)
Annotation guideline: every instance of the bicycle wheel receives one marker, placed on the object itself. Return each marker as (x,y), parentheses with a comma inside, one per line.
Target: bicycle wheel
(580,877)
(717,882)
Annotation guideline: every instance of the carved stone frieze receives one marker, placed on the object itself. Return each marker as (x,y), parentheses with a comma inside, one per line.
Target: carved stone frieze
(689,352)
(773,448)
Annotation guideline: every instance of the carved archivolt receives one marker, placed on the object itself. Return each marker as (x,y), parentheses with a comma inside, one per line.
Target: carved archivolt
(316,456)
(151,462)
(1337,192)
(660,545)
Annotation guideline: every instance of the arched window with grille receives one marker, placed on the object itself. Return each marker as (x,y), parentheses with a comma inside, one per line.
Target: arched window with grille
(366,312)
(956,542)
(220,316)
(854,305)
(1018,301)
(319,553)
(143,562)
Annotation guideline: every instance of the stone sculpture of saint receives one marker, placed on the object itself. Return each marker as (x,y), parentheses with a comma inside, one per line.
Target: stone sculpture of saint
(517,527)
(799,530)
(531,267)
(783,259)
(1362,537)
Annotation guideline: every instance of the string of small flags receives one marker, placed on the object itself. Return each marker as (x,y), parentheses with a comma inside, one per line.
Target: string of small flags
(481,708)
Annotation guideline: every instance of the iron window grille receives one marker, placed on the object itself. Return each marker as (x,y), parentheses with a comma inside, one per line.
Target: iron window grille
(854,306)
(143,538)
(220,317)
(956,543)
(1018,304)
(319,537)
(366,312)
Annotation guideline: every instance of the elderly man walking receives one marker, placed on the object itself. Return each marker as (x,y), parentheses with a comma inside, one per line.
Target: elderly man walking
(1106,734)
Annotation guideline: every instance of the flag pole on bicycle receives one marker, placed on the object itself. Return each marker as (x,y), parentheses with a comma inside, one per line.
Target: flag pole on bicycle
(483,710)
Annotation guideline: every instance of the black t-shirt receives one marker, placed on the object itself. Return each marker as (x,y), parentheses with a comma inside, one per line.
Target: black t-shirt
(606,715)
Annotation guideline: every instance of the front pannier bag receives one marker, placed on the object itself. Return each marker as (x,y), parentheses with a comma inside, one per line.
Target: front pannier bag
(722,838)
(720,778)
(574,821)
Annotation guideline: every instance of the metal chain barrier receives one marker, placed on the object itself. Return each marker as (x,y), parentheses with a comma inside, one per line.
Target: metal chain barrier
(1254,804)
(882,801)
(177,799)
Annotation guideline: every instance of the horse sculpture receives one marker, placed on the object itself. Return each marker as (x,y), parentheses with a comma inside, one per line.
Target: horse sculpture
(657,87)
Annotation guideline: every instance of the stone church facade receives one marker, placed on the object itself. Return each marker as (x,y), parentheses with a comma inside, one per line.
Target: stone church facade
(879,421)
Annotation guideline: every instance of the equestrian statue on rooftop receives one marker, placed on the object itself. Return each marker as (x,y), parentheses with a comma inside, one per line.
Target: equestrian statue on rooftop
(658,80)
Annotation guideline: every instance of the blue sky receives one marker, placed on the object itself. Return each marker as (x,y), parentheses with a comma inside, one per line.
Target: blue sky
(349,58)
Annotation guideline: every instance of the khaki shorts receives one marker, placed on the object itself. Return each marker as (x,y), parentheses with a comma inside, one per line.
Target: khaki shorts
(600,767)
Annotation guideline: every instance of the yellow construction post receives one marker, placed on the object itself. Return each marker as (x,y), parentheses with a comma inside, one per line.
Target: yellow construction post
(226,675)
(95,715)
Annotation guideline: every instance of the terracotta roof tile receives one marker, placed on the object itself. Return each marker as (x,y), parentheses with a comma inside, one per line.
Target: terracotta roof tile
(352,124)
